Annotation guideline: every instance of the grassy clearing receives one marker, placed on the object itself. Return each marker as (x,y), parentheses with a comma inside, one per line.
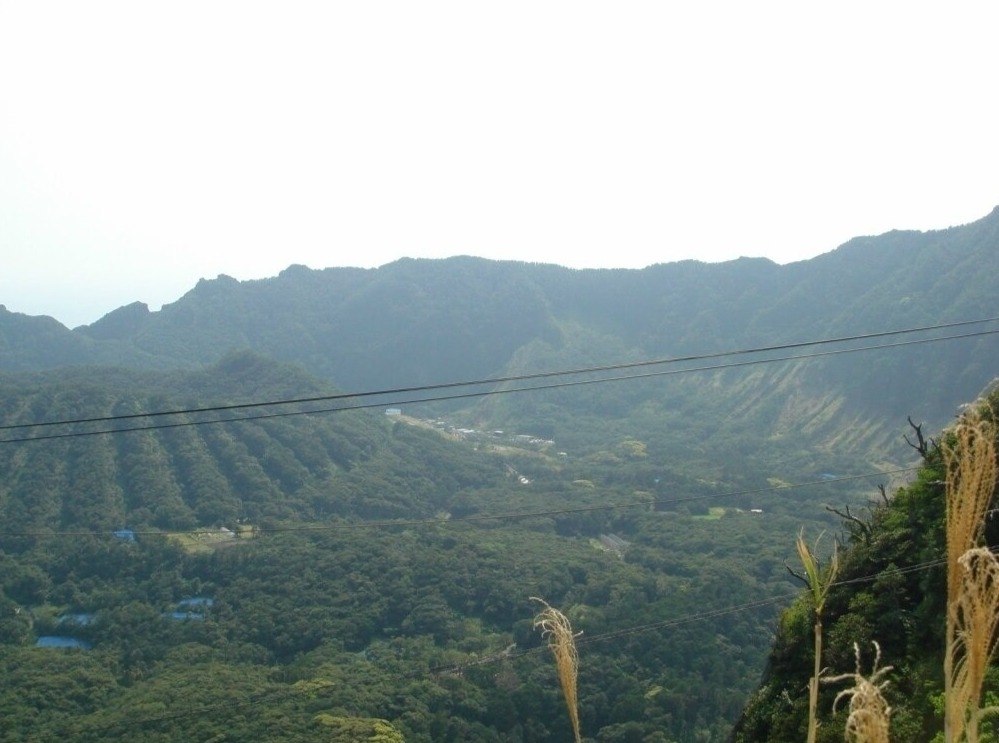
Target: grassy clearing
(200,541)
(714,513)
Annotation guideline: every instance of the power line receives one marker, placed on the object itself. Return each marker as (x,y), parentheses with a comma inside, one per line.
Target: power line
(498,380)
(484,393)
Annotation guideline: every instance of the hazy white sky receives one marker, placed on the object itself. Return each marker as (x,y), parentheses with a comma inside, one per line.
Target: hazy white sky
(144,145)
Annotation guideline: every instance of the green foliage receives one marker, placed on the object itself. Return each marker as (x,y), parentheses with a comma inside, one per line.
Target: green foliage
(309,626)
(352,730)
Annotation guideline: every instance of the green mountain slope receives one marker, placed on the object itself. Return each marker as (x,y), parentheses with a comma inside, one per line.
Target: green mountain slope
(422,321)
(324,618)
(33,343)
(352,464)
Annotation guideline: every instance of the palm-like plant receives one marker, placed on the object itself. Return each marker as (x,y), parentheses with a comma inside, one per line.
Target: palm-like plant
(819,581)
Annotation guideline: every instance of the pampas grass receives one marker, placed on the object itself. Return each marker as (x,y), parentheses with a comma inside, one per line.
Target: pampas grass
(978,619)
(555,628)
(869,712)
(972,574)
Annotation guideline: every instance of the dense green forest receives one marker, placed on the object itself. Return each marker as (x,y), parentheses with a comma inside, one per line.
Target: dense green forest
(374,569)
(428,628)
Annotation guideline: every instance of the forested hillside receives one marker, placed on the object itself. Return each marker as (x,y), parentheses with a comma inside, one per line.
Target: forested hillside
(298,576)
(194,472)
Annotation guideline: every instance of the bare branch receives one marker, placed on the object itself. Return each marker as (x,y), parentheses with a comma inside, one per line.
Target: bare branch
(923,445)
(861,525)
(795,574)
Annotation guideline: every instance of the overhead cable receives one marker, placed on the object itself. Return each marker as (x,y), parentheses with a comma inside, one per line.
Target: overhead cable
(500,380)
(483,393)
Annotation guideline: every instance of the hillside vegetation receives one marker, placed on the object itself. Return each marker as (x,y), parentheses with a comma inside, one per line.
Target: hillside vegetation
(372,570)
(304,467)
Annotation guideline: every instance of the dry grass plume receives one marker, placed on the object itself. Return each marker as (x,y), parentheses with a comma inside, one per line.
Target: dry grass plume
(555,628)
(972,573)
(869,712)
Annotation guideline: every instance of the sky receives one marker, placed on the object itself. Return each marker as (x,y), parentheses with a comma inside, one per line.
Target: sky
(146,145)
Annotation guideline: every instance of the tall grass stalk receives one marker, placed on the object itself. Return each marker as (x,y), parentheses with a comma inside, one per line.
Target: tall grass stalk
(972,573)
(555,628)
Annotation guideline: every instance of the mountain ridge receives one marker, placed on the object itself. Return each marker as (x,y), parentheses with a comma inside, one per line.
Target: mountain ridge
(428,321)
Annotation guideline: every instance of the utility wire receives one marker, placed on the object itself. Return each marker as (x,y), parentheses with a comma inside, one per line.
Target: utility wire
(486,393)
(499,380)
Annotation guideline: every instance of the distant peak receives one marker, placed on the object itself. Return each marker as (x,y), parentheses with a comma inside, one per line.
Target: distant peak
(120,323)
(222,280)
(136,308)
(295,269)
